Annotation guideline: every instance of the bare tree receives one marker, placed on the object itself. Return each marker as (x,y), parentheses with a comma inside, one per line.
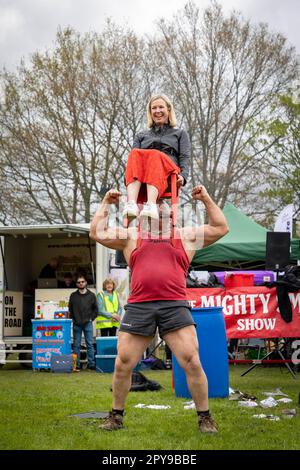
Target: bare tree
(224,73)
(283,161)
(67,122)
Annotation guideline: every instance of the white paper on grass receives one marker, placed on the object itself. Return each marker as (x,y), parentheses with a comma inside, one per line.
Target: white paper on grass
(284,400)
(268,403)
(190,407)
(158,407)
(152,407)
(277,392)
(270,417)
(248,404)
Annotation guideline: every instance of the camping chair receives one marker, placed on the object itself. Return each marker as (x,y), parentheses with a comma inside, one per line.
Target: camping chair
(172,192)
(252,347)
(278,350)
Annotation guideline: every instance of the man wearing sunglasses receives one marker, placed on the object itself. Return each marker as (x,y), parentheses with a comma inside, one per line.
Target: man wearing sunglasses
(83,310)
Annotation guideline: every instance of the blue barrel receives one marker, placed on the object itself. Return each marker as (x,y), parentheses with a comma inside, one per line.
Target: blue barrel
(213,353)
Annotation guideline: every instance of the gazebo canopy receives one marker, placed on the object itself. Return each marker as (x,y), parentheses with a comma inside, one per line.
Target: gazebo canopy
(245,241)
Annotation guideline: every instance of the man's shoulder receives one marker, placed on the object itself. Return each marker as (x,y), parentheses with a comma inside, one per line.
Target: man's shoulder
(89,292)
(190,233)
(183,231)
(132,232)
(73,294)
(192,237)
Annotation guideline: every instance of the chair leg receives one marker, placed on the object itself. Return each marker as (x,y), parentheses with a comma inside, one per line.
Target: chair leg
(174,198)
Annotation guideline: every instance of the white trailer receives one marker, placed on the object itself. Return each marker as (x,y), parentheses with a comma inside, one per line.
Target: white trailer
(25,250)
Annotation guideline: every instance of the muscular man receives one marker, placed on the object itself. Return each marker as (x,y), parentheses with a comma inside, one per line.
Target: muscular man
(158,264)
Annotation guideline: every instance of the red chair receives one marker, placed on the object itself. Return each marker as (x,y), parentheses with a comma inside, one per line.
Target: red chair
(172,192)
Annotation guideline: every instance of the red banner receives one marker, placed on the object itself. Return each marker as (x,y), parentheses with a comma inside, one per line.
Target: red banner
(250,312)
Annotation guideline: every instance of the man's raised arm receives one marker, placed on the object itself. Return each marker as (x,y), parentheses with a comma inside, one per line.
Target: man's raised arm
(199,237)
(111,237)
(217,225)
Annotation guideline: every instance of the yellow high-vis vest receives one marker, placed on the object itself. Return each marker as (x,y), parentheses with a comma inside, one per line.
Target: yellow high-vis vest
(111,307)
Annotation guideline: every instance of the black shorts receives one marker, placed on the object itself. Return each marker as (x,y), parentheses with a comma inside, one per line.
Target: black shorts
(142,318)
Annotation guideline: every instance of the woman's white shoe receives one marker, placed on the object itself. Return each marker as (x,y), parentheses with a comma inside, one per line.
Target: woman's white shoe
(131,210)
(150,210)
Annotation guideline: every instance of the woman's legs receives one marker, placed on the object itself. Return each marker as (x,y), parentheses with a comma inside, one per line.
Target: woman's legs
(152,194)
(133,191)
(131,209)
(150,209)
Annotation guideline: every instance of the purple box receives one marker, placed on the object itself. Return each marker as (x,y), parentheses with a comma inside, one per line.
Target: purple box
(259,276)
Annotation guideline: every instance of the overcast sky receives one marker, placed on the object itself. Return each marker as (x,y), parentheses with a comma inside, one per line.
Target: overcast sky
(30,25)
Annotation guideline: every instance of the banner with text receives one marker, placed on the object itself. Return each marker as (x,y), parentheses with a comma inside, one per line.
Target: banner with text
(250,312)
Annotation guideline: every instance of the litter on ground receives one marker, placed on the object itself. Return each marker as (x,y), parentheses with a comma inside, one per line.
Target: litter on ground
(190,407)
(275,393)
(238,395)
(153,407)
(284,400)
(289,413)
(270,417)
(268,403)
(248,404)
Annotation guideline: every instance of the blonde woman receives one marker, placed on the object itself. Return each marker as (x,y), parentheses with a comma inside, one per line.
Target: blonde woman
(157,152)
(109,310)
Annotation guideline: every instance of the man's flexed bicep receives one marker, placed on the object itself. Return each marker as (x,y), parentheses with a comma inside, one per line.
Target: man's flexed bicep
(217,225)
(196,238)
(110,237)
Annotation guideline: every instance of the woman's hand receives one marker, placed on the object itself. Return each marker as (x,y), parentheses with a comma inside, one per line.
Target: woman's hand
(180,181)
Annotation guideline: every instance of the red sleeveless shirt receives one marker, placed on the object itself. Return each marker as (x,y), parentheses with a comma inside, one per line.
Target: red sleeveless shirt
(158,270)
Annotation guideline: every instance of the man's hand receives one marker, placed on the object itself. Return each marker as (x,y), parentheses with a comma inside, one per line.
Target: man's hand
(112,196)
(199,193)
(180,181)
(116,317)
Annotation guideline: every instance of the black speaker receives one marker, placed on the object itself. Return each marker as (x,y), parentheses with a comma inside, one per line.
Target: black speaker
(120,260)
(277,250)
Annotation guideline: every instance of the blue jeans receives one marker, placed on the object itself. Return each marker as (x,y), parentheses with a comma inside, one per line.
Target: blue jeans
(87,330)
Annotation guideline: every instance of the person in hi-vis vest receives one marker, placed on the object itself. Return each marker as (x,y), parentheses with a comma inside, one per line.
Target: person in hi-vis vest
(109,308)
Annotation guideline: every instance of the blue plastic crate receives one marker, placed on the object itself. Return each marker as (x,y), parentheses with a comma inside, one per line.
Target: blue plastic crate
(105,363)
(106,345)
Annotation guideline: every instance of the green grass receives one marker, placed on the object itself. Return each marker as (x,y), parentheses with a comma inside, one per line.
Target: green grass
(36,408)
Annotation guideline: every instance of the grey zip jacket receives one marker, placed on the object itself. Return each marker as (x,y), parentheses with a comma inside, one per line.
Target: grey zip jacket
(172,141)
